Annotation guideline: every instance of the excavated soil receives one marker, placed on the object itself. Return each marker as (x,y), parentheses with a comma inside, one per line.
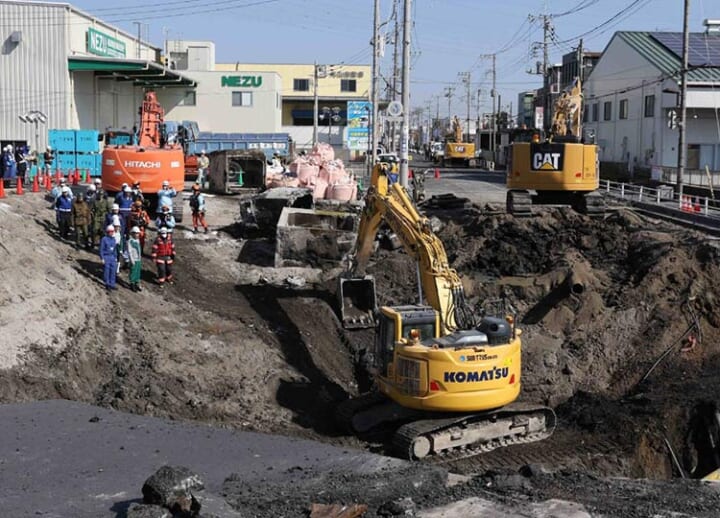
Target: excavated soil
(236,342)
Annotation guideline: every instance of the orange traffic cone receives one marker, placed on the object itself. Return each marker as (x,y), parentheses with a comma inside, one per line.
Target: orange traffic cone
(687,204)
(86,176)
(696,205)
(437,173)
(410,174)
(58,175)
(2,188)
(19,187)
(75,177)
(36,184)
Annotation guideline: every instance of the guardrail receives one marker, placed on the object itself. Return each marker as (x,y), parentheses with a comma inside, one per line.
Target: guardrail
(666,200)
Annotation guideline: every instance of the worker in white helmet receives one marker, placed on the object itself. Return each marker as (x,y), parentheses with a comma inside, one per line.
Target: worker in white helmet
(48,158)
(203,164)
(108,254)
(134,255)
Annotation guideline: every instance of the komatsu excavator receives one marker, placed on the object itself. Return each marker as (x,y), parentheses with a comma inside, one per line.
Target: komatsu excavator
(446,378)
(562,169)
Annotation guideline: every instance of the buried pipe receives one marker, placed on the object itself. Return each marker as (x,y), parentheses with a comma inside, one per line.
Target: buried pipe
(575,284)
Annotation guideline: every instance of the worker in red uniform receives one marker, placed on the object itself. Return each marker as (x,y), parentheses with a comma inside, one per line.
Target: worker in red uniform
(163,254)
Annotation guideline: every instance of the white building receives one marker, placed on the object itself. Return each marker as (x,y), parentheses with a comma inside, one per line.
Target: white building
(632,95)
(83,73)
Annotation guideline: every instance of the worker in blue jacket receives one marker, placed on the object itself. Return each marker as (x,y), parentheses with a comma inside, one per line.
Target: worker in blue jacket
(165,196)
(108,254)
(63,209)
(125,203)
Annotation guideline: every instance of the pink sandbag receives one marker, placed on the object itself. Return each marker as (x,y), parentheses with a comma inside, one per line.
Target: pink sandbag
(306,172)
(324,151)
(340,192)
(320,190)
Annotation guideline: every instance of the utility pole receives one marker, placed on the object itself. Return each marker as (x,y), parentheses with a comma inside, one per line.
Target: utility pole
(396,71)
(581,62)
(315,103)
(493,120)
(683,98)
(374,89)
(465,77)
(404,140)
(449,93)
(547,28)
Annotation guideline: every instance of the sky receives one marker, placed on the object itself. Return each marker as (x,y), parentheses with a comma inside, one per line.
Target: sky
(448,36)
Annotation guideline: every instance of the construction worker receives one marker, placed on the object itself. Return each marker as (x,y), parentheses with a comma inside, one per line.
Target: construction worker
(203,163)
(163,254)
(134,254)
(81,219)
(139,218)
(114,218)
(197,206)
(63,212)
(48,158)
(108,254)
(97,199)
(165,220)
(137,193)
(165,196)
(125,203)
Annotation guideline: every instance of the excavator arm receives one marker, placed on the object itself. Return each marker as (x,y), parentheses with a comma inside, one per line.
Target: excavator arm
(442,288)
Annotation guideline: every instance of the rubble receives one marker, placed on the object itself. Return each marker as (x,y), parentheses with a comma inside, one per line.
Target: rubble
(172,487)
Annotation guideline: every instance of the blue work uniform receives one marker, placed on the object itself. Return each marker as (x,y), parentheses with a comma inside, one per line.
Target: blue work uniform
(108,253)
(165,197)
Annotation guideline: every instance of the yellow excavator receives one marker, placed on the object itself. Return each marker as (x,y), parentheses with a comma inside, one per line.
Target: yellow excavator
(446,378)
(562,169)
(457,151)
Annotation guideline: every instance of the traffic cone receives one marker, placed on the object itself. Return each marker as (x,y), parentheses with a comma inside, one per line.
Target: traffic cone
(696,206)
(86,176)
(410,174)
(437,173)
(48,183)
(75,177)
(19,187)
(686,205)
(58,175)
(2,188)
(36,184)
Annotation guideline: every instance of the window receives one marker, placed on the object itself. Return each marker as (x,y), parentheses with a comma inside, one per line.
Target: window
(607,110)
(623,109)
(188,100)
(348,85)
(649,106)
(242,98)
(301,85)
(586,113)
(595,112)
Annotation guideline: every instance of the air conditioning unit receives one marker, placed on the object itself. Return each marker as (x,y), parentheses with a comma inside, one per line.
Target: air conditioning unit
(554,88)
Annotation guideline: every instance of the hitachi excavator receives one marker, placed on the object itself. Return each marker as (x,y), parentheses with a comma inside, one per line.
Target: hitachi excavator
(562,169)
(446,378)
(151,161)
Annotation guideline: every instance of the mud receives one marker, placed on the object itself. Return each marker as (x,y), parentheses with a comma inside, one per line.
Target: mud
(236,342)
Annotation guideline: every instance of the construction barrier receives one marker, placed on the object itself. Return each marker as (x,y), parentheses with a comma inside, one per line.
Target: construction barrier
(48,183)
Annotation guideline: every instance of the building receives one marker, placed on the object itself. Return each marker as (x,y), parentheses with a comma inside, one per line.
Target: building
(78,71)
(526,109)
(632,98)
(337,86)
(221,101)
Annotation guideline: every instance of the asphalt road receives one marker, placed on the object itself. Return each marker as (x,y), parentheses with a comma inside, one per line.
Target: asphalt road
(479,185)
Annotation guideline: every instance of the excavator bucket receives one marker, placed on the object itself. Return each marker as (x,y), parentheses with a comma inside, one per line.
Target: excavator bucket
(357,302)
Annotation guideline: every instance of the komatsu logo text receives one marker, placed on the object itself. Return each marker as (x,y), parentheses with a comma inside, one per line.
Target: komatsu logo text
(495,373)
(140,164)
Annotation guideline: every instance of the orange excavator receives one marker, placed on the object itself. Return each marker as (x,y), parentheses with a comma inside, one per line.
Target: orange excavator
(150,162)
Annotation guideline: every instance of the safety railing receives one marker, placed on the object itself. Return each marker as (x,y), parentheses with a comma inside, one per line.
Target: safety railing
(662,196)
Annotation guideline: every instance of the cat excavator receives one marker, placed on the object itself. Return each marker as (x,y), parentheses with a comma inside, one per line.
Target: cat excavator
(562,169)
(446,378)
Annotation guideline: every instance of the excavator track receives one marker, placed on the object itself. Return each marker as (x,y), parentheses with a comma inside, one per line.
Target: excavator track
(594,204)
(519,203)
(468,435)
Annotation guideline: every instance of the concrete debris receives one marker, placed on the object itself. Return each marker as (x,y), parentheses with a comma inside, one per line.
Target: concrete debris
(401,507)
(295,282)
(171,486)
(337,510)
(212,506)
(261,212)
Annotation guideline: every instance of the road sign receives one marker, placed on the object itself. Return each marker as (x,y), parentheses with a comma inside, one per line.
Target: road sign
(395,109)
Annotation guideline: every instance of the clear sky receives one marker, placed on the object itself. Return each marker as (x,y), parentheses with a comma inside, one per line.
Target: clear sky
(449,36)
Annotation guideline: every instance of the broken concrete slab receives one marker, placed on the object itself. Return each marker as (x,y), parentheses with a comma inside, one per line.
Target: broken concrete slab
(475,506)
(312,237)
(261,212)
(169,483)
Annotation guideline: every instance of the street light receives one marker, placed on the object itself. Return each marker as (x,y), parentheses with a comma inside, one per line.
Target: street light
(332,115)
(35,117)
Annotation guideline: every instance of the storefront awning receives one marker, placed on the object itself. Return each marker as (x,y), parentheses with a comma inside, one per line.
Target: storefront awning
(139,71)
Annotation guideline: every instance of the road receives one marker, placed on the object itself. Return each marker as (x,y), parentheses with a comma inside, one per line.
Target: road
(479,185)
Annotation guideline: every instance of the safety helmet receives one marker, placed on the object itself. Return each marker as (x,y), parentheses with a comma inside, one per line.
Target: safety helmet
(138,203)
(165,208)
(163,231)
(92,187)
(63,180)
(115,206)
(196,187)
(49,148)
(97,181)
(166,183)
(110,229)
(202,152)
(65,189)
(135,230)
(127,189)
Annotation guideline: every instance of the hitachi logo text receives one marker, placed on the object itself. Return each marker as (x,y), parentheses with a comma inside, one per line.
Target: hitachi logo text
(142,165)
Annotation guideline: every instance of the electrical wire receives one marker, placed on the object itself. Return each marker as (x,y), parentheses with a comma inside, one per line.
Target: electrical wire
(584,4)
